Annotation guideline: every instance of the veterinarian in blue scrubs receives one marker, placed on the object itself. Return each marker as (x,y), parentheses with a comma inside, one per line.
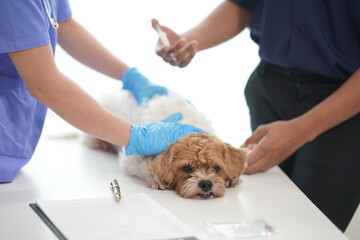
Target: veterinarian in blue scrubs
(30,81)
(304,96)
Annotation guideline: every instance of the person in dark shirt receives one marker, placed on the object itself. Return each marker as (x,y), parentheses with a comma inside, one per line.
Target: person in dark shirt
(303,97)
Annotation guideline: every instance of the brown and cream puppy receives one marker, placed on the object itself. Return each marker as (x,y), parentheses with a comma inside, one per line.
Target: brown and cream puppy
(199,165)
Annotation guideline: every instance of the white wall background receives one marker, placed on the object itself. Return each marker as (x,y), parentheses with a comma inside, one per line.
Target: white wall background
(214,81)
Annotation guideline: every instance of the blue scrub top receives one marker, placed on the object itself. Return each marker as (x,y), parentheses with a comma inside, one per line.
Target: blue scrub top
(312,36)
(24,24)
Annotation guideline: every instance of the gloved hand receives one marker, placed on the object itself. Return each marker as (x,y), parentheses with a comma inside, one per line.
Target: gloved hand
(140,87)
(154,138)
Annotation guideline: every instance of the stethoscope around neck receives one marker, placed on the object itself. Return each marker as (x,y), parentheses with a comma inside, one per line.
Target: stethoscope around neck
(50,10)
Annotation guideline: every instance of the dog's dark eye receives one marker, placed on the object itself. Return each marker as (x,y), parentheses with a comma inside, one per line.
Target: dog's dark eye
(216,168)
(188,169)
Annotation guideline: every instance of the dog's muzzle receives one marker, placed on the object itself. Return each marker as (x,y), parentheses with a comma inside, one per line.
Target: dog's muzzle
(205,186)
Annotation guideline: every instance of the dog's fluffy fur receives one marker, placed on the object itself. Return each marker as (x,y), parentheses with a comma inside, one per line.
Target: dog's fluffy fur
(198,165)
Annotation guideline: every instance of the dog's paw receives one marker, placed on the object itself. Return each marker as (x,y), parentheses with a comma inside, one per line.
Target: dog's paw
(102,145)
(151,183)
(232,182)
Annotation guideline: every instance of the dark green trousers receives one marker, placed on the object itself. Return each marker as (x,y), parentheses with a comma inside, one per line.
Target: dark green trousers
(327,169)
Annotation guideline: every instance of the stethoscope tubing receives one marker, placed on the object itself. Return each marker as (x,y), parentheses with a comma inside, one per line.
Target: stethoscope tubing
(51,14)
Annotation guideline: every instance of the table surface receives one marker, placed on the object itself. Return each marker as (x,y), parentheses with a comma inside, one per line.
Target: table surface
(67,169)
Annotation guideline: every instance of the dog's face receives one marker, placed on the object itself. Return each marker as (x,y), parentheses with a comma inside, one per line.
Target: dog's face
(198,166)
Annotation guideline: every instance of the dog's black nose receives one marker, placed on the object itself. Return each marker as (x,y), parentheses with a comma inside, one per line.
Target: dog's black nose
(205,185)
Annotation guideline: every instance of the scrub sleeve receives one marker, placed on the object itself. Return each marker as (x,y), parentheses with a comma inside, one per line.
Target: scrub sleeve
(24,24)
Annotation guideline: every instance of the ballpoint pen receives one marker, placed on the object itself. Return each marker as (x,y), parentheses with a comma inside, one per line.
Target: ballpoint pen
(164,39)
(114,185)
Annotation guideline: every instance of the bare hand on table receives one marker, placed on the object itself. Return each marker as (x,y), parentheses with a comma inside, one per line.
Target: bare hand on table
(272,143)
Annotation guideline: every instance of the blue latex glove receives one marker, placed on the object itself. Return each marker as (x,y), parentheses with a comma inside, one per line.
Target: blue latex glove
(140,87)
(154,138)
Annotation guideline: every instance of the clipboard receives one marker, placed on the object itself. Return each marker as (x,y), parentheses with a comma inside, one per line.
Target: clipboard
(109,219)
(47,221)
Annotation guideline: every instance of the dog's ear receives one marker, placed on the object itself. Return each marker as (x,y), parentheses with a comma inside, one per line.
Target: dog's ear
(160,167)
(235,160)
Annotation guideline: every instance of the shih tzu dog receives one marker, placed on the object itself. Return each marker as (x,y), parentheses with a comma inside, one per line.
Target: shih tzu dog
(199,165)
